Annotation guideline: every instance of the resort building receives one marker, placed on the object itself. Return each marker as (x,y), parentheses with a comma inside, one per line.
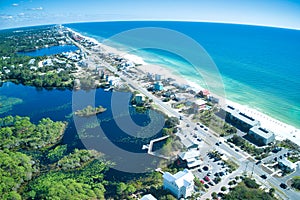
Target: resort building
(190,158)
(181,184)
(239,120)
(286,165)
(262,135)
(158,86)
(148,197)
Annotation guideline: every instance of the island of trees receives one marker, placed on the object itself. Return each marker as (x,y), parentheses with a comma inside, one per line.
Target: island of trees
(89,111)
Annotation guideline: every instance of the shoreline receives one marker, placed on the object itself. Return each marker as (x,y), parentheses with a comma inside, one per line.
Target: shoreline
(281,130)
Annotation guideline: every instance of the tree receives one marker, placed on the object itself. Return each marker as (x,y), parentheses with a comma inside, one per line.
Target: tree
(223,188)
(171,122)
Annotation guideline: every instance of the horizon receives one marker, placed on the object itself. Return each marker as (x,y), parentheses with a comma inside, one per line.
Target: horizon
(112,21)
(276,13)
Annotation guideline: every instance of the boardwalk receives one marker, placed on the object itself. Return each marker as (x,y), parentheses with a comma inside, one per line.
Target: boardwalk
(150,146)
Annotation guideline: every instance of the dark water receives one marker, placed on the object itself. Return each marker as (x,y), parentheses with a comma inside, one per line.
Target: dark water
(57,105)
(50,50)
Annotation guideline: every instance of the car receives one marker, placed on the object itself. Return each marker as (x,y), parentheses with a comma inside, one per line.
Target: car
(201,126)
(263,176)
(206,186)
(221,173)
(199,170)
(236,150)
(231,146)
(202,181)
(196,129)
(199,140)
(209,173)
(207,178)
(283,185)
(217,144)
(205,168)
(205,129)
(211,183)
(258,162)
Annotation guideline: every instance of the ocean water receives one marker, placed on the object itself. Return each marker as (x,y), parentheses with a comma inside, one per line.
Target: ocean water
(259,66)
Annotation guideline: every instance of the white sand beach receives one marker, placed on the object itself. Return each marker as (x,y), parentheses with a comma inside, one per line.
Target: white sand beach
(280,129)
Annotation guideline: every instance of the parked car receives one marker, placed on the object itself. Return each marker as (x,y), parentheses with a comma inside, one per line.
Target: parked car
(207,178)
(258,162)
(263,176)
(283,185)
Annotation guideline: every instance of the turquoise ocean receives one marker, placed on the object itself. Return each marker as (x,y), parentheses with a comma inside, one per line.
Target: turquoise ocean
(259,66)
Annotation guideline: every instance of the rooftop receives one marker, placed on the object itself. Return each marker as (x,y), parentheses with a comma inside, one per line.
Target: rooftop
(262,132)
(182,178)
(241,116)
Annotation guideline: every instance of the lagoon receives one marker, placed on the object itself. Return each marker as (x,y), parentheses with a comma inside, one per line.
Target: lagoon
(48,51)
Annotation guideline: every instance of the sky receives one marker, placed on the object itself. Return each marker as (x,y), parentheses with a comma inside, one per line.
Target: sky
(276,13)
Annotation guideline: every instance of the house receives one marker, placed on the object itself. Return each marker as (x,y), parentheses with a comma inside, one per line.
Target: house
(239,120)
(148,197)
(157,77)
(286,165)
(190,158)
(262,135)
(158,86)
(139,99)
(181,184)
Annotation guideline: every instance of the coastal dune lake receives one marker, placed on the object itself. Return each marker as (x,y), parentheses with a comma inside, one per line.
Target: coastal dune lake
(57,105)
(50,50)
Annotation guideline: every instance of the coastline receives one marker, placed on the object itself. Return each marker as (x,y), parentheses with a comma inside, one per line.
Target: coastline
(281,130)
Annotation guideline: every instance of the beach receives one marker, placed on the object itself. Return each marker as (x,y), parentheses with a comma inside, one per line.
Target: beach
(280,129)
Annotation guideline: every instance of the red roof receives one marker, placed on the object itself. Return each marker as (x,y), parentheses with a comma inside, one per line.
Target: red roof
(205,92)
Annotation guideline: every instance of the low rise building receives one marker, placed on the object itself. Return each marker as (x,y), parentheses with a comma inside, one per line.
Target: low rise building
(148,197)
(139,99)
(286,165)
(262,135)
(181,184)
(158,86)
(191,158)
(240,120)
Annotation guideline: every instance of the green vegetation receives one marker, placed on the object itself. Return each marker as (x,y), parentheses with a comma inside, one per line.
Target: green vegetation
(89,110)
(57,153)
(231,165)
(247,189)
(77,159)
(15,168)
(296,182)
(218,125)
(259,153)
(19,69)
(18,132)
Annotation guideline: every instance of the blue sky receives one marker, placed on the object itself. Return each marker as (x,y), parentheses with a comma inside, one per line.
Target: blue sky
(278,13)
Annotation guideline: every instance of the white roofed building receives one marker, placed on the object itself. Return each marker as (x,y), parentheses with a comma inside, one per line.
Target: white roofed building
(148,197)
(181,184)
(191,158)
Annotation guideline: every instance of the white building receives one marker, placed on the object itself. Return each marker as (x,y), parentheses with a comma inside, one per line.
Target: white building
(286,165)
(191,158)
(148,197)
(261,134)
(180,184)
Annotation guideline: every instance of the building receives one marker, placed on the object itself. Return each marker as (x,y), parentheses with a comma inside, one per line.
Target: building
(239,120)
(139,99)
(181,184)
(148,197)
(157,77)
(158,86)
(286,165)
(190,158)
(262,135)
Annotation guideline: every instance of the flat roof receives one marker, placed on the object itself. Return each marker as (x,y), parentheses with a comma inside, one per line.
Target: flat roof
(241,116)
(262,132)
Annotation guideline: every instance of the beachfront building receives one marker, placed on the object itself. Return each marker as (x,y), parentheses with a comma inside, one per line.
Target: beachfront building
(262,135)
(158,86)
(239,120)
(190,159)
(286,165)
(181,184)
(148,197)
